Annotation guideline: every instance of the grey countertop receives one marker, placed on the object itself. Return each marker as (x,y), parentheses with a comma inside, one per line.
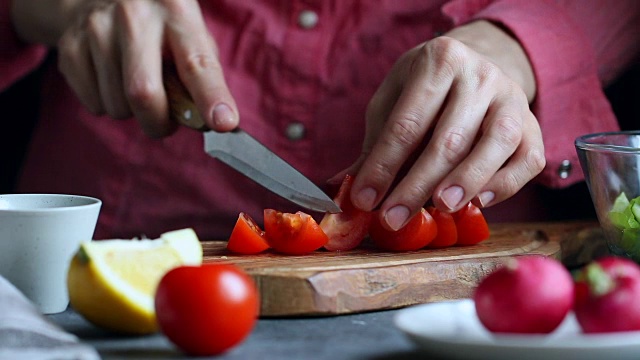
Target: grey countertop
(370,336)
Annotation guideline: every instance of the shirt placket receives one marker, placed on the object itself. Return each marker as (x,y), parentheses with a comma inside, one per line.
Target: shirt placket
(299,81)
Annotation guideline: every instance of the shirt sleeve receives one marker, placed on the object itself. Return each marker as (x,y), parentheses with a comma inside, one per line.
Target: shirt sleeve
(17,58)
(575,47)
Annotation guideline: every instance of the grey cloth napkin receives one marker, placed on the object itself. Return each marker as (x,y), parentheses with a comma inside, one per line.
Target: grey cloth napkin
(27,334)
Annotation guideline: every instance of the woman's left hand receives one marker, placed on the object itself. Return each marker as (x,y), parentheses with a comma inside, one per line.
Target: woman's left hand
(451,123)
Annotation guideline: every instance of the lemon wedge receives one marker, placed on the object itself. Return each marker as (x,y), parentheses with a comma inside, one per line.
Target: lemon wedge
(112,283)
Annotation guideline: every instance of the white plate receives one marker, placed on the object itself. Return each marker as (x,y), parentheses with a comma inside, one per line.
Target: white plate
(452,330)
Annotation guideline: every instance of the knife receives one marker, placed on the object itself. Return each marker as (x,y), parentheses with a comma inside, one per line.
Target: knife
(244,153)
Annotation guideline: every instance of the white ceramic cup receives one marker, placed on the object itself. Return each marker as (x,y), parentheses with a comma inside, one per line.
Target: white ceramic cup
(39,234)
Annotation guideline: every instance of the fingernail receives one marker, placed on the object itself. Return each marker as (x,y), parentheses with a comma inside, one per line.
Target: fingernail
(366,198)
(396,217)
(486,198)
(452,196)
(223,116)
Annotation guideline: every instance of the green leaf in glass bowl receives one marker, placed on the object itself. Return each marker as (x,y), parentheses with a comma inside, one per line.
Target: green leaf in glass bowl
(624,214)
(630,243)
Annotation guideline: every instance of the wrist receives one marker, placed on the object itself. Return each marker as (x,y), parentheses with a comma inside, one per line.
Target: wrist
(501,48)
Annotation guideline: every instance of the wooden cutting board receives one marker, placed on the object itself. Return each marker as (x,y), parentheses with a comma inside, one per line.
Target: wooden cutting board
(365,279)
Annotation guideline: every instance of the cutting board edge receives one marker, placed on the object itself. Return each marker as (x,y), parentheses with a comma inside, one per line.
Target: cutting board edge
(337,292)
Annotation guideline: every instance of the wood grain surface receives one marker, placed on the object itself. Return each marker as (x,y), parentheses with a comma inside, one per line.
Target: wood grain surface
(330,283)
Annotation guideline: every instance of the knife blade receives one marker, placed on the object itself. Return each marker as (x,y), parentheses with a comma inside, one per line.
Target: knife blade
(245,154)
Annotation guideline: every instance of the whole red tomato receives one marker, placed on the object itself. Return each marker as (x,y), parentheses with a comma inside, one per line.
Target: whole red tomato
(606,296)
(206,310)
(530,294)
(293,234)
(416,234)
(346,229)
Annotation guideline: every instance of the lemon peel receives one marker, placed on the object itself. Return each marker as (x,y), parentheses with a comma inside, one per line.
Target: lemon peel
(112,283)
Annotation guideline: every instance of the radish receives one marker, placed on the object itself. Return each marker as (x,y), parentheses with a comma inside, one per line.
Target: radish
(529,294)
(615,265)
(607,293)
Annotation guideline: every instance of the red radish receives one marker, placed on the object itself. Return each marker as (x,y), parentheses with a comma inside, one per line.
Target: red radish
(615,265)
(530,294)
(607,294)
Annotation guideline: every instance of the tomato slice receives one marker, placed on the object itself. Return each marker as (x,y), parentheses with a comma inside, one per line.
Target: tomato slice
(293,234)
(247,237)
(416,234)
(347,229)
(471,225)
(447,233)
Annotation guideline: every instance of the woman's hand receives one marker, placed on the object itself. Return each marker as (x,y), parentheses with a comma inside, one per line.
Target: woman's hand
(111,53)
(450,123)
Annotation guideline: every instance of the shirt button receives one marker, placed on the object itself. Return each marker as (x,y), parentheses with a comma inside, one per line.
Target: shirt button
(308,19)
(295,131)
(564,170)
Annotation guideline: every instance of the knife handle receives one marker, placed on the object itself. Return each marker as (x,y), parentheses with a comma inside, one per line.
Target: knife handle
(181,106)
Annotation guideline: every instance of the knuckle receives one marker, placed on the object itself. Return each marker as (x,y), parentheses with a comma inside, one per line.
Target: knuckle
(452,146)
(142,93)
(382,171)
(96,24)
(406,131)
(177,8)
(486,74)
(446,54)
(129,12)
(510,184)
(508,132)
(536,161)
(199,62)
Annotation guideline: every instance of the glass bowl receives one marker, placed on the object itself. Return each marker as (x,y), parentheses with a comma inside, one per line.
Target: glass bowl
(611,165)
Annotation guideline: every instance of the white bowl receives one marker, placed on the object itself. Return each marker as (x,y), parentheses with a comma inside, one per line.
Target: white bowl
(39,233)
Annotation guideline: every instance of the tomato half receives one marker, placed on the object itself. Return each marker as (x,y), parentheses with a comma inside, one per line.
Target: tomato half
(208,309)
(346,229)
(247,237)
(416,234)
(471,225)
(293,234)
(447,233)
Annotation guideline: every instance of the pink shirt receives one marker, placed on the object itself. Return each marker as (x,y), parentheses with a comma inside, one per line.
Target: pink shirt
(302,87)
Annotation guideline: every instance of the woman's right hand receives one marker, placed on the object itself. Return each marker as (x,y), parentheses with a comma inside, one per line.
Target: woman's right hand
(111,53)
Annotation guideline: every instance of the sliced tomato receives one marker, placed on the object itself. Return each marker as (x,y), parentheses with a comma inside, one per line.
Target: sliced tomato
(416,234)
(471,225)
(347,229)
(247,237)
(447,233)
(293,234)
